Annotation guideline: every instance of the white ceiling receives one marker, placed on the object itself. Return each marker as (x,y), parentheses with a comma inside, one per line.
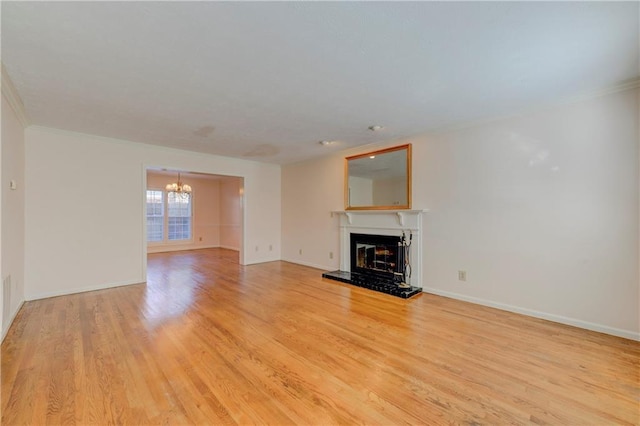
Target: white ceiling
(267,81)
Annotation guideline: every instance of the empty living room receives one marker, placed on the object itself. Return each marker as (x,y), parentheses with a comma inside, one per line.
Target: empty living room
(320,213)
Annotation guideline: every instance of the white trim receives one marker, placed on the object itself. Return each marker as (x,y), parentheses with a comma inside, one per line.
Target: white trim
(152,244)
(10,322)
(229,248)
(166,244)
(171,248)
(76,290)
(627,334)
(265,260)
(244,235)
(594,94)
(13,98)
(629,85)
(143,197)
(309,264)
(165,237)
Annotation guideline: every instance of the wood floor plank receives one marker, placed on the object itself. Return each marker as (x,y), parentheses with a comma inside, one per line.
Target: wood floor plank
(208,341)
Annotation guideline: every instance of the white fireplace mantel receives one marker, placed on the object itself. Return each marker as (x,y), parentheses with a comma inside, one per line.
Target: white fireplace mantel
(383,222)
(401,214)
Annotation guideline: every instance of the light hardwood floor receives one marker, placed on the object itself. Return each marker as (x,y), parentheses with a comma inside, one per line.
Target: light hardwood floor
(207,341)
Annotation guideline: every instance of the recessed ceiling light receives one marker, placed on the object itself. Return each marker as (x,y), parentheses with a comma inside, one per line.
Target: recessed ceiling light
(326,143)
(375,128)
(372,156)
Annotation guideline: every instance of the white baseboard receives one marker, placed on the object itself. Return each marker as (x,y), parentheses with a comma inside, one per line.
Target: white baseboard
(229,248)
(265,260)
(11,318)
(81,289)
(167,249)
(627,334)
(311,265)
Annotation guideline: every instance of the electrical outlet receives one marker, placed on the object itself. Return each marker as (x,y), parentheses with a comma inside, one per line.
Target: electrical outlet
(330,255)
(300,251)
(200,239)
(256,248)
(270,247)
(462,275)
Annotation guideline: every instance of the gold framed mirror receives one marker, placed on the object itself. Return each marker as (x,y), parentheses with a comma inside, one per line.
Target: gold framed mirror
(379,180)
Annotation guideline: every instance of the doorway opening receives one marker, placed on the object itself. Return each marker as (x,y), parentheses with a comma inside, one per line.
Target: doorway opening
(211,215)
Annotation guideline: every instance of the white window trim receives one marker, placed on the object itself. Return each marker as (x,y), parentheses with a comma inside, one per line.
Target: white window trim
(165,214)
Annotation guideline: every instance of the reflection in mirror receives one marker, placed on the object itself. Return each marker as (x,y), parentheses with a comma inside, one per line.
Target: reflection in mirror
(379,180)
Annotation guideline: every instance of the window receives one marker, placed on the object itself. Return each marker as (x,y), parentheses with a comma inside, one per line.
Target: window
(177,220)
(155,216)
(179,213)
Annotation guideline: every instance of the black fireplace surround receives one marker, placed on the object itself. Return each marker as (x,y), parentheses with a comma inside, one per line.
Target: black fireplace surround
(377,263)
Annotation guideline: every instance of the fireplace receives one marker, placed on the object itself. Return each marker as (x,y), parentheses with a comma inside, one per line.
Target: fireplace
(381,251)
(377,255)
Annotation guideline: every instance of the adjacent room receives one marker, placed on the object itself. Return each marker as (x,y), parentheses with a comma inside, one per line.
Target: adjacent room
(200,211)
(320,213)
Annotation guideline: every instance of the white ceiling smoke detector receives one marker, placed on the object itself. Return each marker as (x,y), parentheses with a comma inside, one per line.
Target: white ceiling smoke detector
(376,128)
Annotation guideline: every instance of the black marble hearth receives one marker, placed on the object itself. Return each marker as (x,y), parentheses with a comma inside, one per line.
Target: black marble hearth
(383,285)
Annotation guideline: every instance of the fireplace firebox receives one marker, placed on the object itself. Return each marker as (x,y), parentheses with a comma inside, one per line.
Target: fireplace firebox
(378,255)
(378,263)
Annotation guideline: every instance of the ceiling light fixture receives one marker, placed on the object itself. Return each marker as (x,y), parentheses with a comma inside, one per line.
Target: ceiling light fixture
(327,143)
(375,128)
(179,188)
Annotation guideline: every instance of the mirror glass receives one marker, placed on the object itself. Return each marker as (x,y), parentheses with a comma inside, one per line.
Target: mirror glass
(379,180)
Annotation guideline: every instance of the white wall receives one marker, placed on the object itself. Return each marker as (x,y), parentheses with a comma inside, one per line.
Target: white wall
(541,210)
(85,204)
(205,210)
(390,192)
(360,191)
(12,216)
(310,191)
(3,324)
(231,213)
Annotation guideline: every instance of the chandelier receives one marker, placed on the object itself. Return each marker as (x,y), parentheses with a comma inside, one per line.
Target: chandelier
(179,187)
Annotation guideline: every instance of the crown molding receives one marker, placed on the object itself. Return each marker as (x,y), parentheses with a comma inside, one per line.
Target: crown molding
(583,97)
(13,98)
(628,85)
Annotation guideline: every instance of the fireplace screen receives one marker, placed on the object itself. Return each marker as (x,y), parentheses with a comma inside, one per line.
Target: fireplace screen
(376,254)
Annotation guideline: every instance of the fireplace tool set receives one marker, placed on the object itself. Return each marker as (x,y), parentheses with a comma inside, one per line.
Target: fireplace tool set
(405,255)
